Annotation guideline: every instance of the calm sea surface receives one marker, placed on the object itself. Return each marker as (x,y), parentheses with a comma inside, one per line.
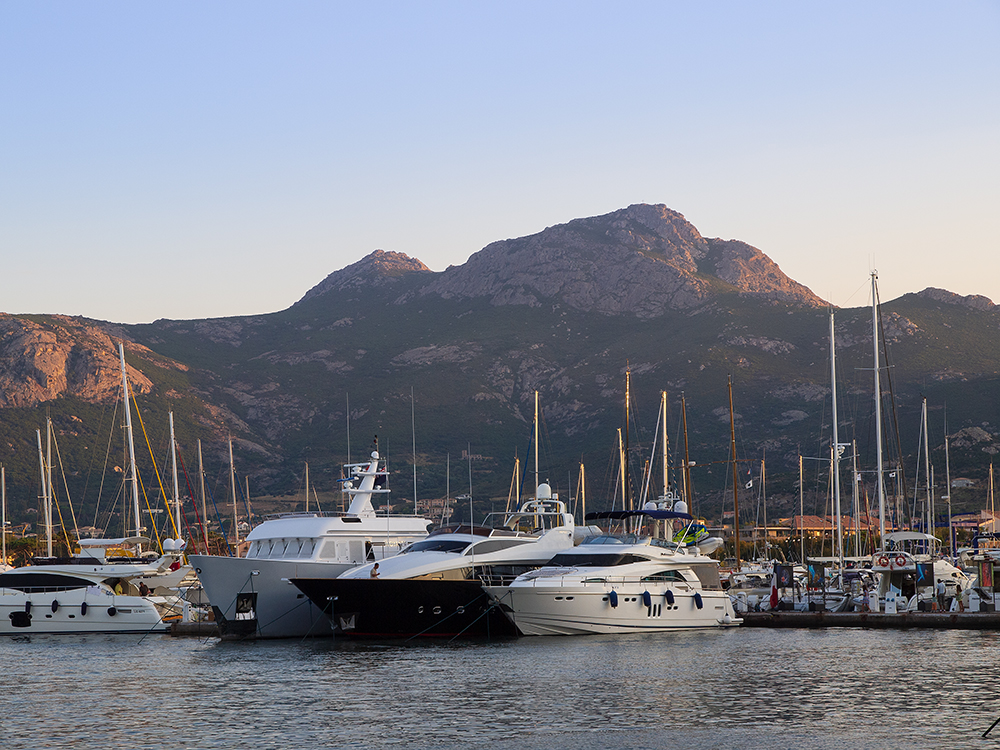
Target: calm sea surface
(736,689)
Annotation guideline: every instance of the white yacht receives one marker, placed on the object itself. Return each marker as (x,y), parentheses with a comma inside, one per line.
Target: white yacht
(619,584)
(90,593)
(435,586)
(252,596)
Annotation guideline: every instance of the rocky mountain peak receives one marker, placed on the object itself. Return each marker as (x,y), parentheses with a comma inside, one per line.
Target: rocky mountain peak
(59,356)
(378,268)
(972,301)
(642,260)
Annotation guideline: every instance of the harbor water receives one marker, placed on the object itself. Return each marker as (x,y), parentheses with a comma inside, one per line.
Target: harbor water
(834,688)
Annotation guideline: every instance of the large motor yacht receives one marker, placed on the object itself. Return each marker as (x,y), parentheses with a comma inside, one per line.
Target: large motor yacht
(619,584)
(435,587)
(252,596)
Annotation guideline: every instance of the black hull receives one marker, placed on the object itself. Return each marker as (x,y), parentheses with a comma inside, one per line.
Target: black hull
(364,608)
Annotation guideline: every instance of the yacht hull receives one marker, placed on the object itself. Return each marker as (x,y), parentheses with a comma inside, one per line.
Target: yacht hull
(403,608)
(587,609)
(254,598)
(76,611)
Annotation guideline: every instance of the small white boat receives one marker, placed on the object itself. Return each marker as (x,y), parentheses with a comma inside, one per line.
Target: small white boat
(90,593)
(615,584)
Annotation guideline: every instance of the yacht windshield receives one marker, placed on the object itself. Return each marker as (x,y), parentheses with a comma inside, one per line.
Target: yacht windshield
(593,560)
(437,545)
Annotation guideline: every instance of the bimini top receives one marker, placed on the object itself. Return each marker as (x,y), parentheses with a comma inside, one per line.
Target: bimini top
(909,536)
(618,515)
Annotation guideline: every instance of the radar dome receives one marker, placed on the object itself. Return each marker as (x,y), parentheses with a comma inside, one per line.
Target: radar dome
(544,492)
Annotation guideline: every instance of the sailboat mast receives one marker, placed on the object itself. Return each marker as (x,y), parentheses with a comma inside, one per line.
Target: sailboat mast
(41,472)
(3,493)
(736,480)
(947,482)
(413,432)
(307,486)
(447,491)
(232,484)
(536,445)
(666,462)
(627,479)
(763,498)
(177,492)
(204,512)
(687,461)
(929,527)
(878,414)
(856,506)
(621,466)
(48,482)
(802,510)
(836,444)
(131,443)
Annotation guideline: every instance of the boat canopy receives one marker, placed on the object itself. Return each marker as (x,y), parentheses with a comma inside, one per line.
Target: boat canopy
(121,542)
(909,536)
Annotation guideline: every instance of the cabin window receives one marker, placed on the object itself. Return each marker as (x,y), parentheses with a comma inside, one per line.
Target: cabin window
(708,574)
(665,575)
(329,549)
(307,548)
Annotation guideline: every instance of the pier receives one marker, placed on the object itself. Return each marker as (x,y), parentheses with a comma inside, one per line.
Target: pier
(875,620)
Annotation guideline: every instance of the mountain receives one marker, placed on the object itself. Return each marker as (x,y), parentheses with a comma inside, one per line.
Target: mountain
(461,352)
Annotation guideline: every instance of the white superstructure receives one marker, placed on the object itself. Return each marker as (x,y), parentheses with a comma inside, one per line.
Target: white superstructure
(252,596)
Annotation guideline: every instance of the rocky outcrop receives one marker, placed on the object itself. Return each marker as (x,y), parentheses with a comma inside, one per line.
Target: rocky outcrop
(972,301)
(642,260)
(379,268)
(42,359)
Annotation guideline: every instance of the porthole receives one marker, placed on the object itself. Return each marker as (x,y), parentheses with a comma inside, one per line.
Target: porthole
(460,610)
(420,609)
(436,611)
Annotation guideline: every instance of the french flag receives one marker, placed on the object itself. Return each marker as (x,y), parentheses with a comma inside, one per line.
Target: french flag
(774,588)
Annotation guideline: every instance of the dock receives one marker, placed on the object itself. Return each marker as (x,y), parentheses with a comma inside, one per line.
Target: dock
(874,620)
(194,629)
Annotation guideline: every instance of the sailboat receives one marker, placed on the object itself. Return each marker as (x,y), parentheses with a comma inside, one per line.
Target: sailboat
(907,563)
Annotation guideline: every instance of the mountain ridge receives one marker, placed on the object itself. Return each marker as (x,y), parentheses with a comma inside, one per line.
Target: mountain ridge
(563,311)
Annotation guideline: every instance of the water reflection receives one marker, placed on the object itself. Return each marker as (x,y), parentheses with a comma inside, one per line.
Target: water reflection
(741,688)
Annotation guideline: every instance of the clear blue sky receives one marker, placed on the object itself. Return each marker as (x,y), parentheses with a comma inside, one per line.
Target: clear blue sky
(193,159)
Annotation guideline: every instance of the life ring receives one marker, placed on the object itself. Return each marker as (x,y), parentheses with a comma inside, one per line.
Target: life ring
(883,561)
(900,561)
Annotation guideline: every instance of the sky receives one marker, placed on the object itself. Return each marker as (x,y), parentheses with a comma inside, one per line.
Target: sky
(190,160)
